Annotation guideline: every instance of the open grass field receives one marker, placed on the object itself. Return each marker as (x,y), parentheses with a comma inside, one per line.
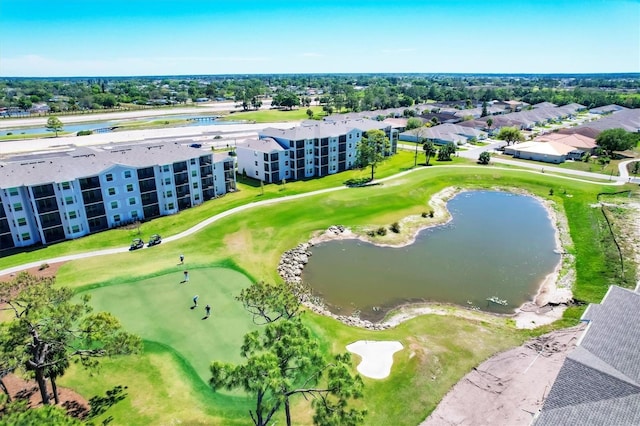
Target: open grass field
(167,383)
(276,115)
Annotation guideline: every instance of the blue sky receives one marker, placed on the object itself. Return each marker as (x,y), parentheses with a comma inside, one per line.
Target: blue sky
(167,37)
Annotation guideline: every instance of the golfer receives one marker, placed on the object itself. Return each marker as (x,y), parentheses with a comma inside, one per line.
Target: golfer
(181,259)
(207,309)
(195,300)
(186,276)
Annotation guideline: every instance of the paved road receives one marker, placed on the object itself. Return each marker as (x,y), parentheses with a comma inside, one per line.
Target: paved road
(111,116)
(235,210)
(474,153)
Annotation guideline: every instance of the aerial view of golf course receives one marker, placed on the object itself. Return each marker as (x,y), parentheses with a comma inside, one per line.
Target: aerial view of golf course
(182,371)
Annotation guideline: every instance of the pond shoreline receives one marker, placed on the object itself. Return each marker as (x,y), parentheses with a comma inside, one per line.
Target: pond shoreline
(548,305)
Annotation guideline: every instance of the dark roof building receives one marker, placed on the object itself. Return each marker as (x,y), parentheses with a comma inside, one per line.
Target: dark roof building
(599,382)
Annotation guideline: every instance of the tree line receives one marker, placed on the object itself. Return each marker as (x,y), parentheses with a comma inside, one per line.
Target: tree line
(334,92)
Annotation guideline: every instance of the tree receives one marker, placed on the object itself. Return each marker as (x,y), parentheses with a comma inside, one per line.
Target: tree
(372,149)
(510,135)
(310,113)
(489,123)
(484,157)
(54,125)
(48,329)
(615,140)
(414,123)
(283,360)
(484,109)
(429,151)
(446,151)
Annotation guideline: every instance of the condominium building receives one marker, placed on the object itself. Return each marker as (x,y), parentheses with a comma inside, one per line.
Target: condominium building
(46,198)
(310,150)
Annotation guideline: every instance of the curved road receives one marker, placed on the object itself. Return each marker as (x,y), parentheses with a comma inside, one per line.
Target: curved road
(255,204)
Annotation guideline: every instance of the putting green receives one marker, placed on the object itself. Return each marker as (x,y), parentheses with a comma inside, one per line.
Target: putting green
(159,309)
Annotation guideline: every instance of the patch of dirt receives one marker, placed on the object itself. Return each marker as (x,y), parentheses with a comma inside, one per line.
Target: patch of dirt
(49,271)
(510,387)
(18,388)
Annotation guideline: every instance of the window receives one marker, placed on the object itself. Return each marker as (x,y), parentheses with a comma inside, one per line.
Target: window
(112,191)
(134,214)
(116,218)
(350,135)
(195,185)
(192,161)
(22,221)
(68,200)
(127,174)
(73,215)
(256,163)
(25,236)
(167,181)
(196,197)
(109,177)
(168,194)
(17,207)
(286,163)
(114,204)
(165,168)
(66,185)
(358,135)
(194,173)
(75,228)
(13,191)
(256,173)
(132,201)
(170,206)
(129,187)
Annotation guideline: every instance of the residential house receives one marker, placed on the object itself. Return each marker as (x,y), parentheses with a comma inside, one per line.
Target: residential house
(576,140)
(443,134)
(547,152)
(607,109)
(599,381)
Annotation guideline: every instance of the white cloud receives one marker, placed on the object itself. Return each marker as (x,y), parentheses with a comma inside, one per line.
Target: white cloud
(40,66)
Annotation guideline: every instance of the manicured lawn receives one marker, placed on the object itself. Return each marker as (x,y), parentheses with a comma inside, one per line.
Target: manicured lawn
(158,309)
(167,382)
(275,115)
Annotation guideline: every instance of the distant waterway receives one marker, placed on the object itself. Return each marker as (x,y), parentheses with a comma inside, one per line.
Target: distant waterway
(498,245)
(194,120)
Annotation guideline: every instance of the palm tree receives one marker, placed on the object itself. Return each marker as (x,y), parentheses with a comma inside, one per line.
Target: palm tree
(429,151)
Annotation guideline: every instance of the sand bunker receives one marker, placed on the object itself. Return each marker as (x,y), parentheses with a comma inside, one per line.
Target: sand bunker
(377,357)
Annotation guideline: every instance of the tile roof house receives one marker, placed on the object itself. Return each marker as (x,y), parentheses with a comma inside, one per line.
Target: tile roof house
(575,140)
(599,382)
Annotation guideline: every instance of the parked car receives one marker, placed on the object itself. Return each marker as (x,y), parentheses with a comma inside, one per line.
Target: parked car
(155,239)
(137,243)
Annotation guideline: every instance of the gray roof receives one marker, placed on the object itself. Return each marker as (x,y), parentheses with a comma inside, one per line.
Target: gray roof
(323,129)
(599,382)
(38,169)
(628,119)
(262,145)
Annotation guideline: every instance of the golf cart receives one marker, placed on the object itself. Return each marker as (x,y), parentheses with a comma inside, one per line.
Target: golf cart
(137,243)
(154,240)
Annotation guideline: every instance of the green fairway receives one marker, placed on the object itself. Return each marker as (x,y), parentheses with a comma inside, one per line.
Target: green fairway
(159,309)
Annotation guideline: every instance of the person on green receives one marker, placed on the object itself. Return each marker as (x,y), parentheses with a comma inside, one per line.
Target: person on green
(207,309)
(195,301)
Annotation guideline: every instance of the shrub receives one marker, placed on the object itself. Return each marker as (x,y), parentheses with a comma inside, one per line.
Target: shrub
(431,213)
(425,214)
(9,133)
(217,137)
(382,231)
(551,192)
(43,267)
(395,227)
(84,133)
(371,233)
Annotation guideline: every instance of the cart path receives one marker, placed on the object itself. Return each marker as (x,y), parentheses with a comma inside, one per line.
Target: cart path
(255,204)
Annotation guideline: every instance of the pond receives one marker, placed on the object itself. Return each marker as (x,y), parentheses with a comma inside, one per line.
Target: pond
(493,255)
